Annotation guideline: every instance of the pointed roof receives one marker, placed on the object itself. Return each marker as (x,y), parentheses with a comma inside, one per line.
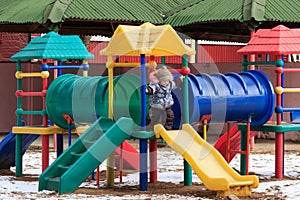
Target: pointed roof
(278,40)
(146,39)
(54,46)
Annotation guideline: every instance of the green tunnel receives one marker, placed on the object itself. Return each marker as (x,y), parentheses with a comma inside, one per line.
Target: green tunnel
(85,98)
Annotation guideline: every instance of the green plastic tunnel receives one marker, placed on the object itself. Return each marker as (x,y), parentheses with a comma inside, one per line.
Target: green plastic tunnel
(86,98)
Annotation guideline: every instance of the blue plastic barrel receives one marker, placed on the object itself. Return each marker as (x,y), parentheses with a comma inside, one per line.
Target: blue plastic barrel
(230,97)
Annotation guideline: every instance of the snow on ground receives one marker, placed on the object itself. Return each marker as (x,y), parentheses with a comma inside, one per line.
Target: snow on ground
(170,166)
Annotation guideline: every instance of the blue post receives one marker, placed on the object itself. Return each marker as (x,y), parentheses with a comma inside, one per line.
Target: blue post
(143,142)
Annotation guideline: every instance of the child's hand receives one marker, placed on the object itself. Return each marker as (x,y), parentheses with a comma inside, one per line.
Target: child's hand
(179,80)
(149,90)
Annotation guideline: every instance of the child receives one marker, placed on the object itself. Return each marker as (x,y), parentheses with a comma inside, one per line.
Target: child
(161,100)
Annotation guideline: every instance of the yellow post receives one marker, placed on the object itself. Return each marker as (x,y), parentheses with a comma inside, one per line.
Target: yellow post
(204,131)
(85,72)
(110,160)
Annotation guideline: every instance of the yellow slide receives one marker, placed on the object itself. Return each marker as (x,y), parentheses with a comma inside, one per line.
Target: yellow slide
(207,162)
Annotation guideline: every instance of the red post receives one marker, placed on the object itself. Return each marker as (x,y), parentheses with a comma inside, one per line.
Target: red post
(45,138)
(153,161)
(153,153)
(248,146)
(121,163)
(228,143)
(279,136)
(98,176)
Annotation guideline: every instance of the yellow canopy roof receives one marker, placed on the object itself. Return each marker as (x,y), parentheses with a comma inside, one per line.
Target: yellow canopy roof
(146,39)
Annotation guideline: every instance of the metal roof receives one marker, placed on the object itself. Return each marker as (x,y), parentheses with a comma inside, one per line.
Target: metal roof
(52,13)
(241,10)
(207,10)
(54,46)
(278,40)
(229,20)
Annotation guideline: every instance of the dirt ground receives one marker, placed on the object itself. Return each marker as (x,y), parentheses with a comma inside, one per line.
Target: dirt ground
(196,190)
(164,188)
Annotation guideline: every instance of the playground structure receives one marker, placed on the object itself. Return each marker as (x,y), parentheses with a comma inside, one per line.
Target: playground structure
(39,48)
(113,120)
(278,41)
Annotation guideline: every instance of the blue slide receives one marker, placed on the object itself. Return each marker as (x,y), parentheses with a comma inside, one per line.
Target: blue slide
(8,146)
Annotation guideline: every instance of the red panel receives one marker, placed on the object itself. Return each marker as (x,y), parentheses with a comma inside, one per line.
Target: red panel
(206,54)
(95,48)
(218,53)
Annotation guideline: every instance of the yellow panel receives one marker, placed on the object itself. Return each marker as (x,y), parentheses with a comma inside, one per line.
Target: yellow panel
(146,39)
(45,130)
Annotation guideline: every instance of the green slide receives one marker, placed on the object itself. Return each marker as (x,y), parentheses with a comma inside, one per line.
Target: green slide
(77,162)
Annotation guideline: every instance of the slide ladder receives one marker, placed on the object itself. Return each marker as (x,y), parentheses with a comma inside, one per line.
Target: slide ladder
(75,164)
(207,162)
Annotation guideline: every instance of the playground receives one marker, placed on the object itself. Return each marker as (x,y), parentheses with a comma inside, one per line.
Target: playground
(169,186)
(108,112)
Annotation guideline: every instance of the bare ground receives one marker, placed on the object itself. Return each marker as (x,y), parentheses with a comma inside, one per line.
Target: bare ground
(165,188)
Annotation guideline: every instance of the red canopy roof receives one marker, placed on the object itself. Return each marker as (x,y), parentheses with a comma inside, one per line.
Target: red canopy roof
(278,40)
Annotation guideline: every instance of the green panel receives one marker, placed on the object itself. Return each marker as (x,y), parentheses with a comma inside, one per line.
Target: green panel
(284,127)
(97,147)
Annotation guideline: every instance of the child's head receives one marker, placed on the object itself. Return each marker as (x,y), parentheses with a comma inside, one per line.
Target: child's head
(164,75)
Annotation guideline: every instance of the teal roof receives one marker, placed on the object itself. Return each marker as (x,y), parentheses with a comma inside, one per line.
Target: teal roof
(54,46)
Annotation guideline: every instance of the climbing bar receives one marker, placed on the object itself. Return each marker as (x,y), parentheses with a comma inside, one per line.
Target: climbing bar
(281,70)
(246,63)
(21,93)
(20,111)
(280,90)
(68,67)
(151,64)
(43,74)
(280,109)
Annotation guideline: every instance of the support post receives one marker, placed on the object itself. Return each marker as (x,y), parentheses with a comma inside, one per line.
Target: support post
(143,142)
(19,137)
(59,137)
(187,167)
(279,139)
(110,160)
(153,154)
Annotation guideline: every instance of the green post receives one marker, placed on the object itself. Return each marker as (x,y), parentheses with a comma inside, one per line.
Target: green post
(245,63)
(243,148)
(187,167)
(163,60)
(19,138)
